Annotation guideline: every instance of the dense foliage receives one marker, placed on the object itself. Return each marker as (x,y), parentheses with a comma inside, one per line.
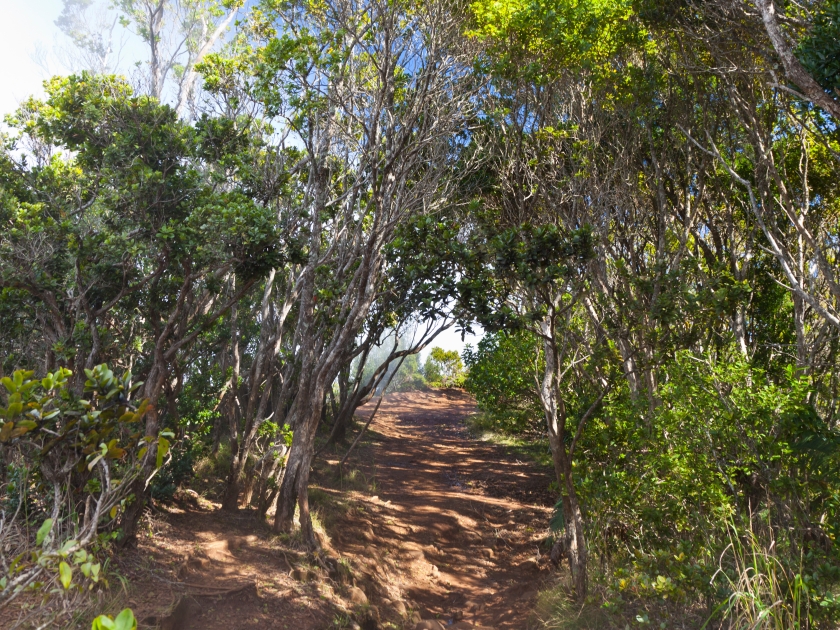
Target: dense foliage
(660,234)
(71,466)
(636,199)
(502,375)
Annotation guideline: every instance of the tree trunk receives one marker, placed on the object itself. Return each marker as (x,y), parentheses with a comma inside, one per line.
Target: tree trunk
(576,550)
(574,542)
(802,354)
(134,509)
(294,489)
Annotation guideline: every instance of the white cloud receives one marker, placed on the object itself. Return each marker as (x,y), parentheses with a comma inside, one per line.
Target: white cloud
(26,29)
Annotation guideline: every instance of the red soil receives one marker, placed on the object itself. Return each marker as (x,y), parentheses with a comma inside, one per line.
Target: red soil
(452,530)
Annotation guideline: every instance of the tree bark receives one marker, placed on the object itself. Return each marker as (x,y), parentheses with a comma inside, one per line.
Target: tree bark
(794,70)
(574,540)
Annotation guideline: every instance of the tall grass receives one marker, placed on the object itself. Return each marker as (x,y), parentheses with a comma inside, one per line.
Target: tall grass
(764,594)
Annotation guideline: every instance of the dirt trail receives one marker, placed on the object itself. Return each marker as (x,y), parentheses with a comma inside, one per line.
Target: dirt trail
(467,517)
(451,530)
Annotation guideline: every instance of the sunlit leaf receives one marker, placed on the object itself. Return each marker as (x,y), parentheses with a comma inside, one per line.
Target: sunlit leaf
(45,528)
(65,574)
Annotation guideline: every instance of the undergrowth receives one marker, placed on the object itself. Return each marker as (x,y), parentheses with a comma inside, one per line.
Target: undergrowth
(529,444)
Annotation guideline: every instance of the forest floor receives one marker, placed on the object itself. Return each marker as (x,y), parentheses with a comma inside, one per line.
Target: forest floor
(427,522)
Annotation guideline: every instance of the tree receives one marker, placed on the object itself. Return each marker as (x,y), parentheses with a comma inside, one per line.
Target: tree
(374,94)
(178,33)
(91,29)
(684,175)
(444,367)
(121,223)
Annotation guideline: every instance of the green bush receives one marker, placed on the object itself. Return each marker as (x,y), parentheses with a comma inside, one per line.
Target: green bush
(729,455)
(73,460)
(501,375)
(732,464)
(444,368)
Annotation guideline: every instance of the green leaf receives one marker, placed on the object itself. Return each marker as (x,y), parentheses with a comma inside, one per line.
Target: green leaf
(162,450)
(66,574)
(125,620)
(27,424)
(103,622)
(6,431)
(43,531)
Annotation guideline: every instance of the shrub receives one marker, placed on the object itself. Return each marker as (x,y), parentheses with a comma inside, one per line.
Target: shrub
(501,377)
(72,463)
(444,368)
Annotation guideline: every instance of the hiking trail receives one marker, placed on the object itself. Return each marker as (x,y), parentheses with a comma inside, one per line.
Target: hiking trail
(449,531)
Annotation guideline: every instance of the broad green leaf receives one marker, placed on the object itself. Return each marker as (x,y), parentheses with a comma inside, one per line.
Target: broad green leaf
(162,450)
(102,622)
(125,620)
(45,528)
(66,574)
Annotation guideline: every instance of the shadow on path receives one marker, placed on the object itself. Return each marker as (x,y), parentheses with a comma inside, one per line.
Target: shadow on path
(463,519)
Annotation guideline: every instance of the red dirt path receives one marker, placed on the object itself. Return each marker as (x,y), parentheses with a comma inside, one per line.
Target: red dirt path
(466,507)
(452,530)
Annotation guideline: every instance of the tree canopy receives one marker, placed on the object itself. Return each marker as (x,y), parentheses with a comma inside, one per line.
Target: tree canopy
(637,200)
